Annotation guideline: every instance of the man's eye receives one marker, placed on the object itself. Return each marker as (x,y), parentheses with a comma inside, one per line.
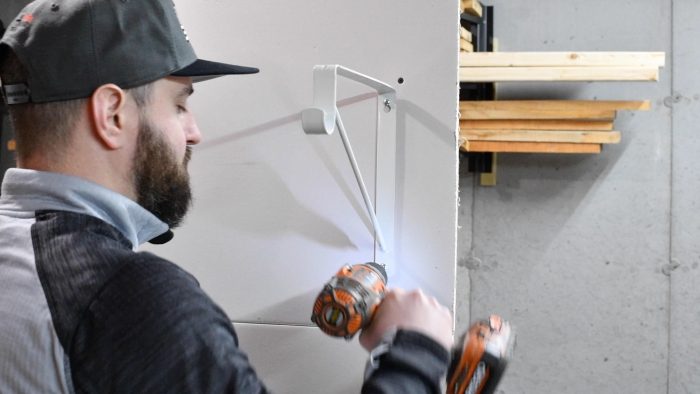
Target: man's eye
(181,108)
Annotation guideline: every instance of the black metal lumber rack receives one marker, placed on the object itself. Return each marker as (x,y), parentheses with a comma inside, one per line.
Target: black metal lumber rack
(481,29)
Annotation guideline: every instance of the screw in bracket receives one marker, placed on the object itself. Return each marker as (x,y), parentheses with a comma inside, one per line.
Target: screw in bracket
(387,105)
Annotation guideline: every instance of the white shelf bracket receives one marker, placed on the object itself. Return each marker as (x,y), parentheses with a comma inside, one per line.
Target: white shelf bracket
(323,118)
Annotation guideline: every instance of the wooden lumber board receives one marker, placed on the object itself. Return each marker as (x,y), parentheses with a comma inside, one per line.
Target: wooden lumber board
(547,109)
(576,137)
(472,6)
(536,124)
(465,46)
(531,147)
(563,59)
(563,106)
(573,74)
(465,34)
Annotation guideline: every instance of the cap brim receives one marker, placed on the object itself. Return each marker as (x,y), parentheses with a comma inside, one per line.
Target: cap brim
(201,70)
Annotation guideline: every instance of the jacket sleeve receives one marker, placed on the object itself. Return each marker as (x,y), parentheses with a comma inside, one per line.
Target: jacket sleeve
(152,329)
(413,363)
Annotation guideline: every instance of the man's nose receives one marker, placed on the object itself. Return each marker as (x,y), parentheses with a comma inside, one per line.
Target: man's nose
(194,136)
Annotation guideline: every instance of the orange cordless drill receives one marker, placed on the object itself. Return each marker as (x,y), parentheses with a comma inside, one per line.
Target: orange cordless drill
(348,301)
(347,304)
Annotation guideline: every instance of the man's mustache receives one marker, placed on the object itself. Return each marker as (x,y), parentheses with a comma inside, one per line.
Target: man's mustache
(188,154)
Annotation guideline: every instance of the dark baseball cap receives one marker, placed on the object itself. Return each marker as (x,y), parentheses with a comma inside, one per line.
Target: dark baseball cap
(71,47)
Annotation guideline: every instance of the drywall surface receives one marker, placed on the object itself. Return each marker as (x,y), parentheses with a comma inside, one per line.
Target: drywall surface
(595,257)
(277,211)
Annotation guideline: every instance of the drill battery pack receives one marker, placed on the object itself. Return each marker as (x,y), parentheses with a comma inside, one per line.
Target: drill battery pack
(480,357)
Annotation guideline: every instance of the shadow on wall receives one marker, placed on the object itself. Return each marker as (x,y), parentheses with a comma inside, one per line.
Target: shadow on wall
(285,213)
(350,191)
(298,308)
(280,215)
(235,136)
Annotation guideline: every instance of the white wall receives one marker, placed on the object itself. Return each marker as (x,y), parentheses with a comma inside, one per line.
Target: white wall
(277,212)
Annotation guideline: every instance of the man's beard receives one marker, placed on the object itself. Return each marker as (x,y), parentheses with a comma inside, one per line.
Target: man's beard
(162,183)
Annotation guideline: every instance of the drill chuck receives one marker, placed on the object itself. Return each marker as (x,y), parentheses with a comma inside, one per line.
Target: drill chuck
(349,300)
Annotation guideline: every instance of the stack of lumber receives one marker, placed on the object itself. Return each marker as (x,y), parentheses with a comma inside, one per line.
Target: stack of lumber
(540,126)
(472,7)
(465,40)
(559,66)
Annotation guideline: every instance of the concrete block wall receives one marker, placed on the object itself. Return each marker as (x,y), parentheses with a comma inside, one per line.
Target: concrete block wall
(595,258)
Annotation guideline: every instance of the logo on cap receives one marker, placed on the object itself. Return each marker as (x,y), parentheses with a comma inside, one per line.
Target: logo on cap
(184,32)
(22,20)
(187,38)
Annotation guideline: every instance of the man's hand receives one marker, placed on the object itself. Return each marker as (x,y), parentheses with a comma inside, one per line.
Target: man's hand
(409,310)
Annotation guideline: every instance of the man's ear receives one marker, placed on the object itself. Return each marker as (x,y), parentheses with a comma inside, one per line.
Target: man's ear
(108,115)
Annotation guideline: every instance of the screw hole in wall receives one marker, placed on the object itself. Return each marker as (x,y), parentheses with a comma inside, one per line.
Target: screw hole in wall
(400,80)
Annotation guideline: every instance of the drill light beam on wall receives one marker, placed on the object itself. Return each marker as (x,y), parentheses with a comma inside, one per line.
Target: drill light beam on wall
(323,118)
